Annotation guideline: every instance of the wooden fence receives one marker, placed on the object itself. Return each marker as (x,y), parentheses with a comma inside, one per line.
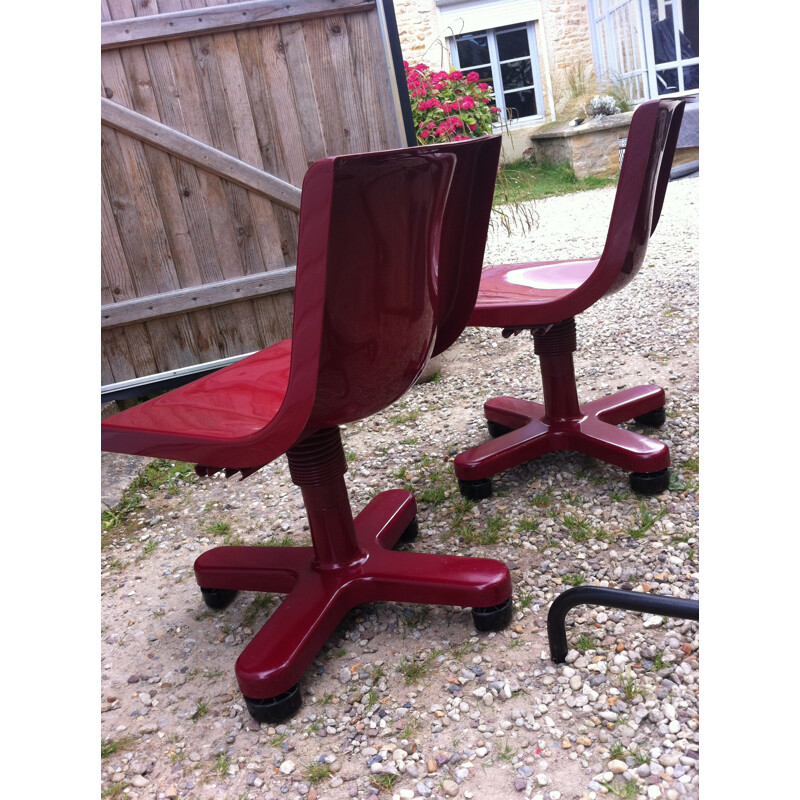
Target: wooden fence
(211,116)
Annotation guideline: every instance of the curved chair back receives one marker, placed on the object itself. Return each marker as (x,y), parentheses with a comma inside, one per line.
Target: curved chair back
(640,196)
(464,231)
(379,240)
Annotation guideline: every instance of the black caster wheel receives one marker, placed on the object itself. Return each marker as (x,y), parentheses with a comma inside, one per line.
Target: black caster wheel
(275,709)
(496,429)
(493,618)
(650,482)
(475,490)
(410,533)
(218,598)
(652,419)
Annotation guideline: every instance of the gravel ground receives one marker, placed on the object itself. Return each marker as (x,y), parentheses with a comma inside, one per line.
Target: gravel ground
(407,701)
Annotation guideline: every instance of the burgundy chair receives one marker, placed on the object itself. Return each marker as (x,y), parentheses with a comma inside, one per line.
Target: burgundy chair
(544,298)
(389,259)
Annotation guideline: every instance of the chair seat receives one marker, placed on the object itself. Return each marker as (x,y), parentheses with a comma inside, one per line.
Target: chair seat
(234,403)
(524,294)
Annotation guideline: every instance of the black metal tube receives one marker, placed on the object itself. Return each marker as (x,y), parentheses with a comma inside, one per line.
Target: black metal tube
(615,598)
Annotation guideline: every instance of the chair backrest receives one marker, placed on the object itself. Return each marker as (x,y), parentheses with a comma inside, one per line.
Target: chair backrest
(464,231)
(405,237)
(365,315)
(639,199)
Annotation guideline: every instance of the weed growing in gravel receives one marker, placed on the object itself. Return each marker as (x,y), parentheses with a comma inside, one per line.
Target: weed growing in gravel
(316,772)
(410,728)
(200,711)
(658,661)
(111,746)
(154,475)
(219,528)
(584,643)
(628,685)
(616,751)
(524,600)
(222,764)
(114,790)
(385,782)
(543,498)
(278,739)
(579,529)
(404,416)
(414,670)
(627,789)
(573,579)
(506,753)
(646,521)
(258,607)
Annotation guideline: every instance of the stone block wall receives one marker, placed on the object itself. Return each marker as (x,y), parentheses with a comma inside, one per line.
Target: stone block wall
(420,37)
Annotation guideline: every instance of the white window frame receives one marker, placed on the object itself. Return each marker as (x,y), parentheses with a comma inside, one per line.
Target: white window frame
(497,78)
(641,81)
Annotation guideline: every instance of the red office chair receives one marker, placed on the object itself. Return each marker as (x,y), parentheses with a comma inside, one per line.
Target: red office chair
(390,247)
(544,298)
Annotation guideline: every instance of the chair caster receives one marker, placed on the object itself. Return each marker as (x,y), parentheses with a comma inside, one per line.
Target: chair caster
(410,533)
(475,490)
(493,618)
(218,598)
(275,709)
(652,419)
(650,482)
(496,429)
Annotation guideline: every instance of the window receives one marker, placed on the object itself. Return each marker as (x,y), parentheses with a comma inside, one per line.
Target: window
(505,58)
(650,47)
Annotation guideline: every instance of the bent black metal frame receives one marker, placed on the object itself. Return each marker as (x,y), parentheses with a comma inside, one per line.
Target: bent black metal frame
(615,598)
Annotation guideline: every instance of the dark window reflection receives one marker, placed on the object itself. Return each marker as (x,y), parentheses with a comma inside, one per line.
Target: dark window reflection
(513,44)
(517,74)
(472,50)
(520,104)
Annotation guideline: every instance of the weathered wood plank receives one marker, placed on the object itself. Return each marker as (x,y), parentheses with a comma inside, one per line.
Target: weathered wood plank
(178,144)
(180,301)
(214,19)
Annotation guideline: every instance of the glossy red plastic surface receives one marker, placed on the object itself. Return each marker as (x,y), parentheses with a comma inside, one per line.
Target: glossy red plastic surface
(542,293)
(545,297)
(389,261)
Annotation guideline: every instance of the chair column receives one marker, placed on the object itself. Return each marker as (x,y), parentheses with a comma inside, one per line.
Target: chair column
(555,347)
(317,465)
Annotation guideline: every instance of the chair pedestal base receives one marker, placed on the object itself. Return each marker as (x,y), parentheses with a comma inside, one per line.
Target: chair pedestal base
(319,594)
(593,432)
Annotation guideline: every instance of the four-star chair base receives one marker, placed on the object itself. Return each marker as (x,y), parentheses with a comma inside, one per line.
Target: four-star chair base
(525,430)
(351,562)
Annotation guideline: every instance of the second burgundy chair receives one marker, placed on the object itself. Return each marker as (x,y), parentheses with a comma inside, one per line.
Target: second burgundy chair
(544,298)
(389,259)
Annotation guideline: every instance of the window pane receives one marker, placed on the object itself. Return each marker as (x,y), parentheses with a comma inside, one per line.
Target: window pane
(513,44)
(473,49)
(517,74)
(520,104)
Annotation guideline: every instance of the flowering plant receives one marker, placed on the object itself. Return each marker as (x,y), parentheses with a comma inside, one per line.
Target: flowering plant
(449,106)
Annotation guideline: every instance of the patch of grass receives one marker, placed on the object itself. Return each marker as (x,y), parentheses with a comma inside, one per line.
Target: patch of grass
(111,746)
(618,497)
(409,440)
(385,782)
(658,661)
(628,789)
(584,643)
(219,528)
(405,416)
(617,751)
(543,498)
(646,521)
(579,529)
(414,670)
(316,772)
(278,739)
(628,685)
(409,729)
(258,607)
(573,579)
(525,600)
(505,753)
(525,180)
(200,711)
(155,474)
(114,791)
(222,764)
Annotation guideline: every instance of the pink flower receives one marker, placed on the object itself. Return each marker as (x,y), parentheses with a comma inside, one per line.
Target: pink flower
(473,76)
(424,134)
(460,138)
(455,75)
(484,87)
(468,102)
